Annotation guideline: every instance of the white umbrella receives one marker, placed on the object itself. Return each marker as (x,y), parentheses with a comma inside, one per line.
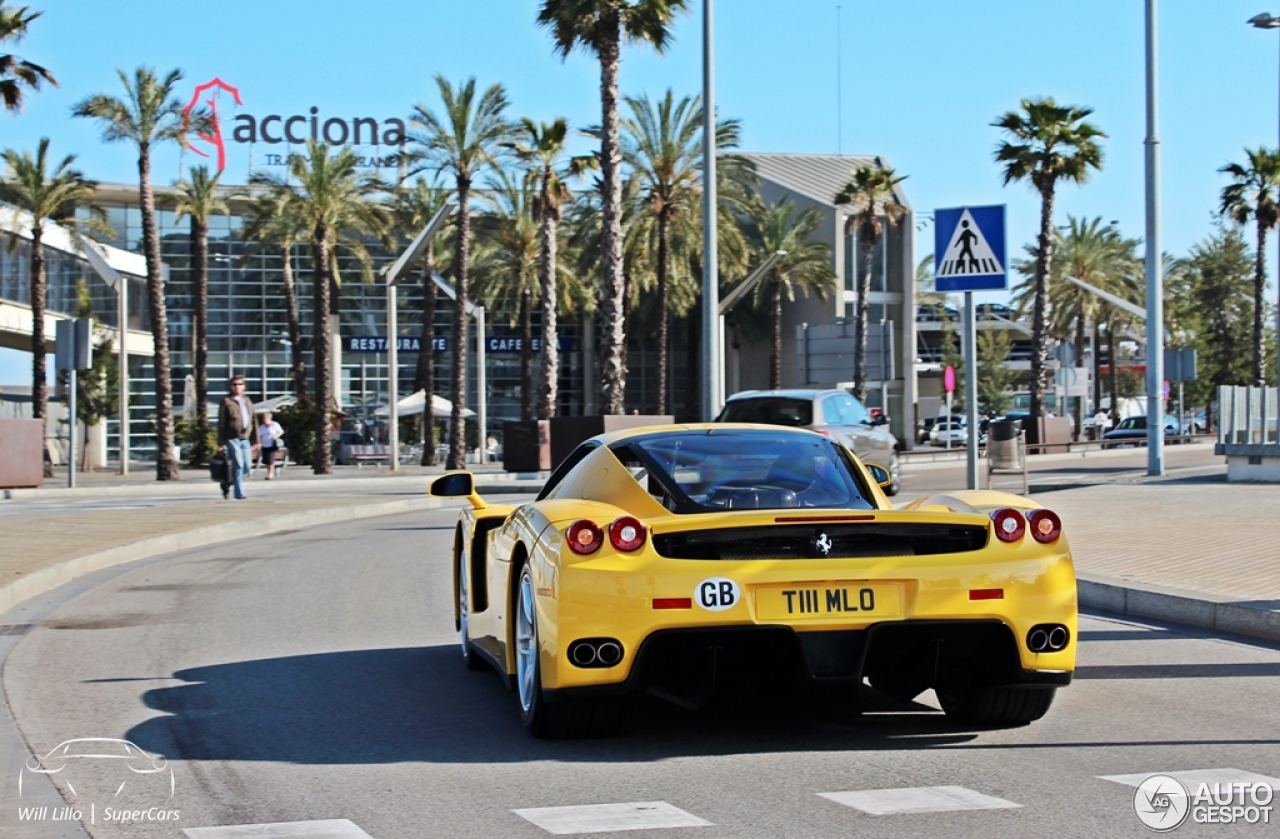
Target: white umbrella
(273,403)
(189,398)
(412,405)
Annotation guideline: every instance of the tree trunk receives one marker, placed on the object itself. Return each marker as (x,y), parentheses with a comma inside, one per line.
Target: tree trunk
(549,374)
(664,251)
(867,236)
(166,465)
(526,351)
(321,458)
(297,371)
(39,372)
(1259,304)
(613,369)
(458,390)
(200,336)
(424,377)
(1039,327)
(775,324)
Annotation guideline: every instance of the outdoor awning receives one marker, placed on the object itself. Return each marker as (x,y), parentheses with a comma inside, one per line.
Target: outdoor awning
(411,406)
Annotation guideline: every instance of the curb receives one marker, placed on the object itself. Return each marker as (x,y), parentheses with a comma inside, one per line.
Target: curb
(1185,609)
(53,576)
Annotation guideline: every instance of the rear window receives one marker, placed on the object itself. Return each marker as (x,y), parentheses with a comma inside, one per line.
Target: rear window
(772,410)
(743,469)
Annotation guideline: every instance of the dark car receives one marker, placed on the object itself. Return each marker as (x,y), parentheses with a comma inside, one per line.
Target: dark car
(991,311)
(931,312)
(1132,431)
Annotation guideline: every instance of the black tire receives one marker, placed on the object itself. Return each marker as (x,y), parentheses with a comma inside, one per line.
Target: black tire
(469,656)
(995,707)
(895,476)
(558,720)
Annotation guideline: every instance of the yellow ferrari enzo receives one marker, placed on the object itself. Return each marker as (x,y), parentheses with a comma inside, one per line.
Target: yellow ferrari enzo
(681,561)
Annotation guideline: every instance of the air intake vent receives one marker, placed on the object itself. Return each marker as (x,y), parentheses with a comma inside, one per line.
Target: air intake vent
(820,541)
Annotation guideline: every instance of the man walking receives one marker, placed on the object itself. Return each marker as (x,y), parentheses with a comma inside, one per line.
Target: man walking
(237,436)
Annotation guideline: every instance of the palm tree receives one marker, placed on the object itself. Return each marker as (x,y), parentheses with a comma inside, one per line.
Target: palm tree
(805,268)
(599,26)
(874,190)
(45,194)
(413,209)
(1253,195)
(507,265)
(662,144)
(541,147)
(15,73)
(334,201)
(147,117)
(270,221)
(199,199)
(1097,254)
(1050,143)
(464,140)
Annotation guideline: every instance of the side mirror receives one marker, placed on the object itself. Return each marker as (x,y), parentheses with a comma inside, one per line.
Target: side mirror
(879,474)
(880,419)
(453,485)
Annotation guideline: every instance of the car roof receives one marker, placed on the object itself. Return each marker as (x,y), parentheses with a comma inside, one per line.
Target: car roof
(611,437)
(790,393)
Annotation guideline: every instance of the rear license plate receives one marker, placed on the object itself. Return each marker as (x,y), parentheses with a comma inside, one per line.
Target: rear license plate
(818,601)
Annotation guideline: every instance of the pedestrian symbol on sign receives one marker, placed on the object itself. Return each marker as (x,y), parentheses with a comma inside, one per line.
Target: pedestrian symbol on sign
(968,253)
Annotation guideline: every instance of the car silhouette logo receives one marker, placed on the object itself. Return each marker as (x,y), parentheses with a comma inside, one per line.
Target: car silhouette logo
(822,544)
(106,752)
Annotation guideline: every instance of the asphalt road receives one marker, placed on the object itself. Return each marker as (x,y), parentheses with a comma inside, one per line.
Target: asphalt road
(315,676)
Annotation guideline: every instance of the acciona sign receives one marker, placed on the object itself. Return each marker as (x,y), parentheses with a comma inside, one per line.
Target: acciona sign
(276,129)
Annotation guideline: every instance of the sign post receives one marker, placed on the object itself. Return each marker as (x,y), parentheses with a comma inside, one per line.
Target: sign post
(73,351)
(949,384)
(970,247)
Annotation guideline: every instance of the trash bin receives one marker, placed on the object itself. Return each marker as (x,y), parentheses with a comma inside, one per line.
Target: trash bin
(1002,444)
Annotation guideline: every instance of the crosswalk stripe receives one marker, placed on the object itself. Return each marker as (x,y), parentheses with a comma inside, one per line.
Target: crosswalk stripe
(889,802)
(323,829)
(1193,778)
(610,818)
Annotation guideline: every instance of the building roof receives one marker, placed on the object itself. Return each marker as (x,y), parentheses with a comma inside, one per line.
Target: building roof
(817,176)
(21,223)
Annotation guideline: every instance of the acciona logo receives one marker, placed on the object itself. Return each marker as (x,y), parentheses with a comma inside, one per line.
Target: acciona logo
(275,129)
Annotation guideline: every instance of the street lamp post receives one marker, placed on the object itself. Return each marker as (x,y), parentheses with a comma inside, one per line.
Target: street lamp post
(1155,285)
(712,358)
(1266,21)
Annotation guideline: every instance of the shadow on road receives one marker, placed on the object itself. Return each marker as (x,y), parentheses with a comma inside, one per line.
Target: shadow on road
(421,704)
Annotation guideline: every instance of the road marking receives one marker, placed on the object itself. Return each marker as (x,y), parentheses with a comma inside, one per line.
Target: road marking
(890,802)
(609,818)
(325,829)
(1193,778)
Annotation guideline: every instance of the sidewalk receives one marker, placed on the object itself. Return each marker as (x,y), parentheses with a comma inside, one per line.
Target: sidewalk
(1188,548)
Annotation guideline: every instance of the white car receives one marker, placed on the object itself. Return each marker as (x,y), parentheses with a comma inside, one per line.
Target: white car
(953,433)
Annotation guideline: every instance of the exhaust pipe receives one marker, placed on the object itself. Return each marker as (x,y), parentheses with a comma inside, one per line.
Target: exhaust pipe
(1038,640)
(583,654)
(1058,638)
(609,653)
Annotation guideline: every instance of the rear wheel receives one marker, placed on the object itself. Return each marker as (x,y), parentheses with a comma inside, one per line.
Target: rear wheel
(995,707)
(559,720)
(469,656)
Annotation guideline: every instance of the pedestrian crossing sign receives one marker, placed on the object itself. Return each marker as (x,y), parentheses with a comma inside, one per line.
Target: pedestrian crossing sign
(970,249)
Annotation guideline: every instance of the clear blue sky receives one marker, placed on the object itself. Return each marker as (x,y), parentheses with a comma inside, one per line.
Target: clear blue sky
(922,81)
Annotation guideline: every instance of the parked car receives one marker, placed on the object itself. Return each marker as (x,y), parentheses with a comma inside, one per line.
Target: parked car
(991,311)
(831,412)
(1132,431)
(927,424)
(1197,423)
(935,312)
(949,433)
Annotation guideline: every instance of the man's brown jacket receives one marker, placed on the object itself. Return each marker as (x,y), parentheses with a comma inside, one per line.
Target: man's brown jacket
(230,426)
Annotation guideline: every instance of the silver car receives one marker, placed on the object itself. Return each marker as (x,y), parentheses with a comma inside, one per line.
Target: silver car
(834,413)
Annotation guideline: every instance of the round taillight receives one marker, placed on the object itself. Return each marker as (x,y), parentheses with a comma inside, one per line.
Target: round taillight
(627,533)
(1009,524)
(585,537)
(1045,525)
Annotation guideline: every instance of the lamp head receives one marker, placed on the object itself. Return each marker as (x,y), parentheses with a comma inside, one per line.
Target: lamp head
(1264,21)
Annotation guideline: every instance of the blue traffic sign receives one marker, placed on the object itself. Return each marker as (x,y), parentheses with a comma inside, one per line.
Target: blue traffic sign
(969,248)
